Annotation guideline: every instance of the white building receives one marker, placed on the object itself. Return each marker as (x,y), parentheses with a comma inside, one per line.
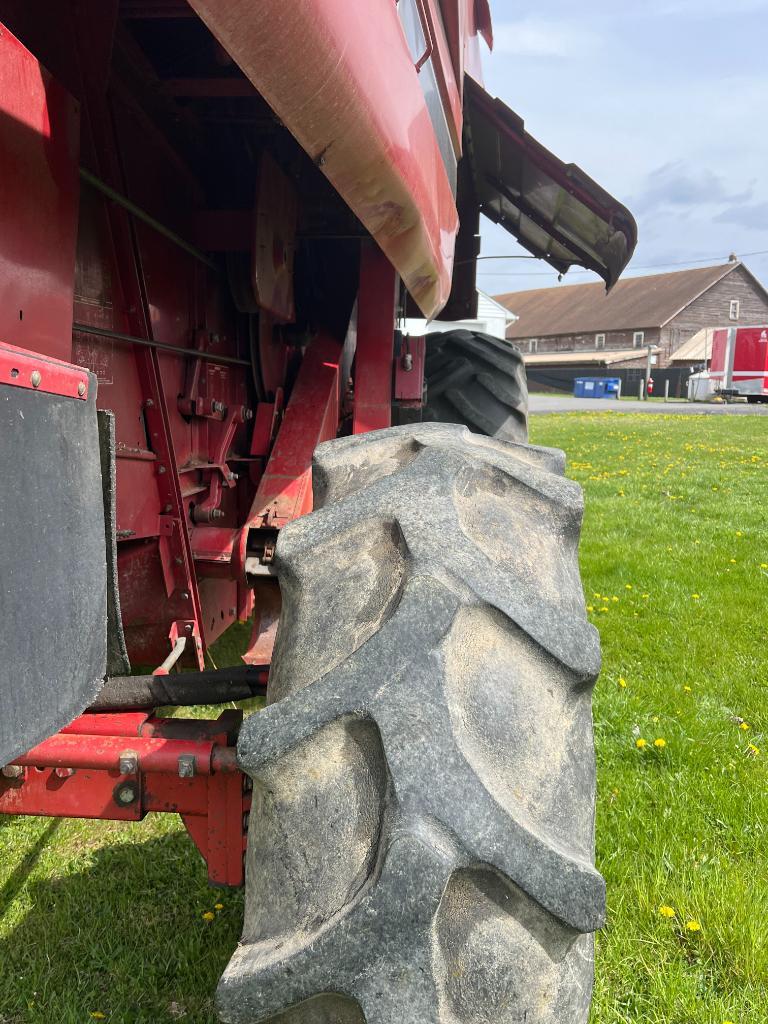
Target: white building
(492,318)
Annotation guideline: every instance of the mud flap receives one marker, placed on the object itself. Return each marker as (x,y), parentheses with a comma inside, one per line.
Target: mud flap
(53,564)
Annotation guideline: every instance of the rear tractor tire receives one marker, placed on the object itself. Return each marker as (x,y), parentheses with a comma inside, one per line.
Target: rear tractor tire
(479,381)
(421,835)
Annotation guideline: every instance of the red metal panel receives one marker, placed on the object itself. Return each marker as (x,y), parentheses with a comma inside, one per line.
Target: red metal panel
(409,370)
(375,340)
(751,357)
(22,369)
(85,794)
(312,416)
(360,116)
(39,140)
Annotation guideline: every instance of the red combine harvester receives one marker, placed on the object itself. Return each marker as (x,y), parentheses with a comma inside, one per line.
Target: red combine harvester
(212,217)
(739,365)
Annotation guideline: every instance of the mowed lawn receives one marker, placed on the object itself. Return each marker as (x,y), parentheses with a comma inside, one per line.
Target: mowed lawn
(102,921)
(675,566)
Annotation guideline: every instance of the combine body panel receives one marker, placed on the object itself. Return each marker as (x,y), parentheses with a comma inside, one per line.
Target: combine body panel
(739,364)
(212,216)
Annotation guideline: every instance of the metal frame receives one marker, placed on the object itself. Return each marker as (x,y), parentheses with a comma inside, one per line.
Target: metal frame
(121,766)
(193,538)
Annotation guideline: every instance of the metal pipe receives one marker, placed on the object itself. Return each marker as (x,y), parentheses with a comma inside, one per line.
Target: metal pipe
(146,218)
(183,353)
(124,724)
(104,753)
(178,649)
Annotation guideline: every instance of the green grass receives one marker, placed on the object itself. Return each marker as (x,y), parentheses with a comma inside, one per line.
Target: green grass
(675,567)
(108,919)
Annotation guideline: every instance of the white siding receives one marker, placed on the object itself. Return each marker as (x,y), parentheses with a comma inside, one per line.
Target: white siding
(492,318)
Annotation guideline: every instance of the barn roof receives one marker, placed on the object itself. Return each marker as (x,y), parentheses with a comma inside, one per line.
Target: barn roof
(599,358)
(633,303)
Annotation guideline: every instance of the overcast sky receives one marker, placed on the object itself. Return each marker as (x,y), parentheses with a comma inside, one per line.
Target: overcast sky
(663,102)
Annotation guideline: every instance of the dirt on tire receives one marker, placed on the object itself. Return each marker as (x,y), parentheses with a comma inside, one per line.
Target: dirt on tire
(421,834)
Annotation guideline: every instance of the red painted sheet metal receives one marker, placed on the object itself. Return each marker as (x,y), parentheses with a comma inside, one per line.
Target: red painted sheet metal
(373,355)
(39,141)
(340,77)
(743,365)
(409,370)
(23,369)
(312,416)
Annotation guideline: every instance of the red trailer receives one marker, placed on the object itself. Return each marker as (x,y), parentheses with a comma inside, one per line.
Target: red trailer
(739,364)
(212,217)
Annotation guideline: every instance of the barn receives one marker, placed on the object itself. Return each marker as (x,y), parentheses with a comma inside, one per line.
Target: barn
(580,325)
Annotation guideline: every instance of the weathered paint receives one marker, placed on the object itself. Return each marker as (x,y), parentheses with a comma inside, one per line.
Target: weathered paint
(361,118)
(39,142)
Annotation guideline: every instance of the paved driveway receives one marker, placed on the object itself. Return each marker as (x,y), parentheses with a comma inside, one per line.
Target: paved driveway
(564,403)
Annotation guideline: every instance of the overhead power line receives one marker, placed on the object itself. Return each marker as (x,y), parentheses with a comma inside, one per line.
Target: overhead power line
(647,266)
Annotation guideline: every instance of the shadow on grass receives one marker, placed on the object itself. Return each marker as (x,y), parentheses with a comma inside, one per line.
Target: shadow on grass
(119,932)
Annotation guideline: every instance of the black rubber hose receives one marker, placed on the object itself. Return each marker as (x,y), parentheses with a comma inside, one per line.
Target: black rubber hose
(123,693)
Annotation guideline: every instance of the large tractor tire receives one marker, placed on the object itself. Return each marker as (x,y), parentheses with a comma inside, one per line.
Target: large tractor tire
(421,835)
(479,381)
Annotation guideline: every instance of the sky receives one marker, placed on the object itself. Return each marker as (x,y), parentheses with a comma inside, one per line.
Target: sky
(663,102)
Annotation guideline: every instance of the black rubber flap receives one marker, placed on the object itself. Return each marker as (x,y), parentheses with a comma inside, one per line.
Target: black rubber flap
(53,567)
(117,652)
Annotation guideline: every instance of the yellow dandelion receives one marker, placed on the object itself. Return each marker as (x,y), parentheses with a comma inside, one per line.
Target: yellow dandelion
(218,906)
(645,596)
(603,609)
(596,595)
(622,681)
(666,911)
(590,608)
(641,743)
(744,725)
(614,598)
(687,689)
(739,533)
(764,565)
(660,743)
(208,915)
(733,561)
(692,926)
(655,719)
(627,586)
(695,596)
(754,751)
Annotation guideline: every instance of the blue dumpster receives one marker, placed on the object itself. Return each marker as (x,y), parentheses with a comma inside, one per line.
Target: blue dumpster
(584,387)
(595,387)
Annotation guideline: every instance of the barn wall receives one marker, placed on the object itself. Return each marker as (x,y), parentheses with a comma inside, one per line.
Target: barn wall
(711,310)
(586,342)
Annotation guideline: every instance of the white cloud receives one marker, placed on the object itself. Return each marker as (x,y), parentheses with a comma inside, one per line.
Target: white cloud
(536,37)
